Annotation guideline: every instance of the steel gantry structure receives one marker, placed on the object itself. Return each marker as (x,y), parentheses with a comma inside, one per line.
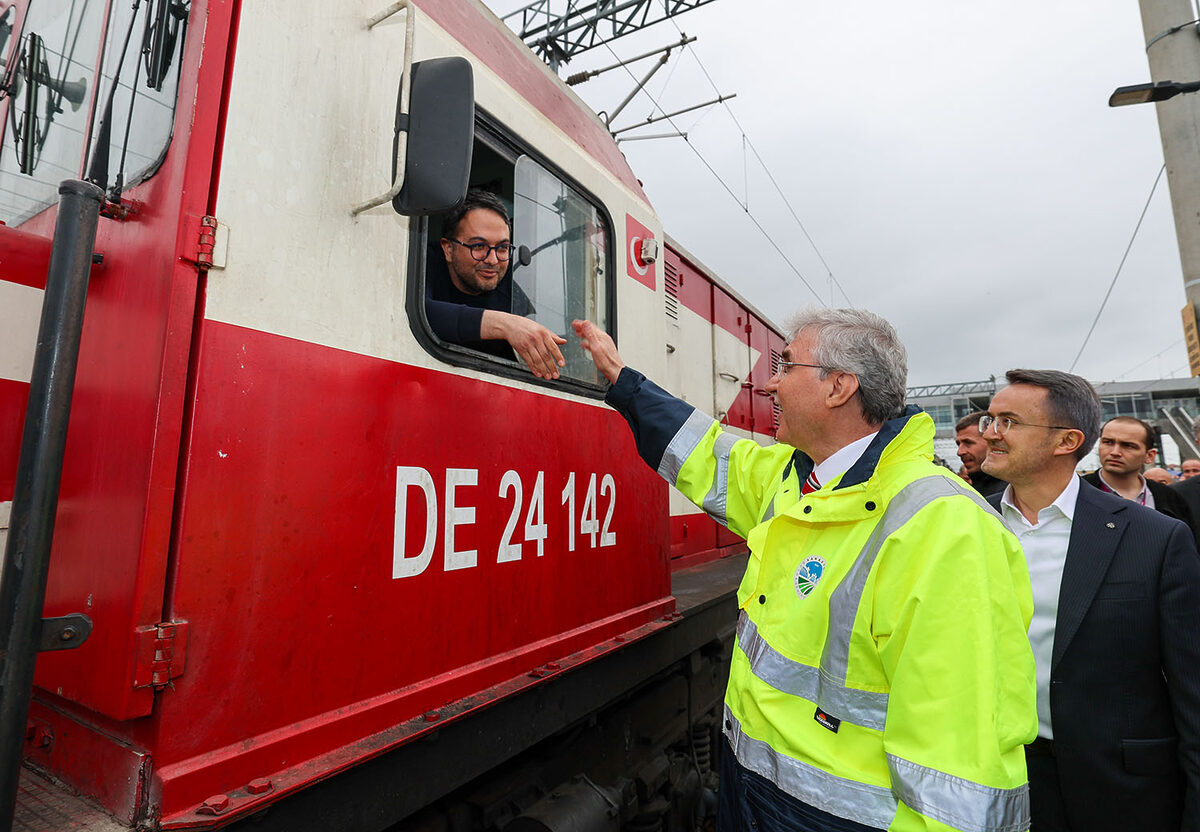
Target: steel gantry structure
(558,30)
(959,388)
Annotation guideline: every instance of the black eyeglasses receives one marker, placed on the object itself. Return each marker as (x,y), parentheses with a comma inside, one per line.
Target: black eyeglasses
(480,250)
(1003,424)
(781,369)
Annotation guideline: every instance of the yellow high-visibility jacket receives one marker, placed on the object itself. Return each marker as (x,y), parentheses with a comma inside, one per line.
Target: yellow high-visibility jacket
(882,671)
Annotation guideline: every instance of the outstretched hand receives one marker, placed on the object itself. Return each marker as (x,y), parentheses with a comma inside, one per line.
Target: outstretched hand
(536,345)
(599,345)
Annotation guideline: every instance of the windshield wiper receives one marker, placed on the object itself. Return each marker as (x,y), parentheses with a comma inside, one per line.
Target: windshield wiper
(160,37)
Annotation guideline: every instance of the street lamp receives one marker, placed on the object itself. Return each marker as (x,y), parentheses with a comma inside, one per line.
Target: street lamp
(1145,93)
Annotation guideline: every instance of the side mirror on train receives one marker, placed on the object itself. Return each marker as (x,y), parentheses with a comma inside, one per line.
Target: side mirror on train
(440,126)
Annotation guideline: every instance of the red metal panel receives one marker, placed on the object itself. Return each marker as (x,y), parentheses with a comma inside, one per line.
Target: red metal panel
(14,395)
(727,538)
(762,416)
(777,344)
(695,290)
(635,235)
(731,316)
(286,549)
(692,533)
(24,257)
(111,772)
(122,452)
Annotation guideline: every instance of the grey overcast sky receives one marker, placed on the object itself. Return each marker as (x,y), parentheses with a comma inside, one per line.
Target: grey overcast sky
(956,164)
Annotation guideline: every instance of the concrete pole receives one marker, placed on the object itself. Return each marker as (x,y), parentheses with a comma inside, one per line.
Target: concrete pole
(1175,56)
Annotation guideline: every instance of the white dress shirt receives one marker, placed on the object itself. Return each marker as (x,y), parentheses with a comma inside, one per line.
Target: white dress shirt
(839,461)
(1045,544)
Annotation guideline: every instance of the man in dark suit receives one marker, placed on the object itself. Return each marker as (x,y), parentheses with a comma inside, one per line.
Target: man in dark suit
(1189,487)
(1116,623)
(1126,446)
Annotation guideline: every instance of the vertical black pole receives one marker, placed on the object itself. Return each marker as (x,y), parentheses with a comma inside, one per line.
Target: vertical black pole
(27,554)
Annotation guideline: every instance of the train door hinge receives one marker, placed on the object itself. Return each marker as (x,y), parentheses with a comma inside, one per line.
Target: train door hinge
(161,653)
(212,242)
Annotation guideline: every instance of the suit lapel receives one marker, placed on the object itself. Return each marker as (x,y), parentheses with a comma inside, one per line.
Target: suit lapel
(1096,530)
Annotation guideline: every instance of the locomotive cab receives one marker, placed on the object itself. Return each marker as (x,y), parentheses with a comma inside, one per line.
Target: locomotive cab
(316,541)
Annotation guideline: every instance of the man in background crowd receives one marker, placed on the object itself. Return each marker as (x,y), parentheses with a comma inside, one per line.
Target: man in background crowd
(1127,445)
(1189,487)
(1163,476)
(972,450)
(1189,468)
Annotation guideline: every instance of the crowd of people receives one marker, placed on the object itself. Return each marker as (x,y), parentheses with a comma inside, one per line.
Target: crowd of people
(1014,647)
(915,654)
(1127,450)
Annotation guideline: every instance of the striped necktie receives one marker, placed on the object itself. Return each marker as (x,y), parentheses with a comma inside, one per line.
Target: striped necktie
(810,484)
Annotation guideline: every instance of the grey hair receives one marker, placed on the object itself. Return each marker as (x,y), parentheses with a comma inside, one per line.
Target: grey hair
(1070,401)
(860,342)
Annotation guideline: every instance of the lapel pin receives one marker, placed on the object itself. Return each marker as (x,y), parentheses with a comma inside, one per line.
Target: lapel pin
(1111,525)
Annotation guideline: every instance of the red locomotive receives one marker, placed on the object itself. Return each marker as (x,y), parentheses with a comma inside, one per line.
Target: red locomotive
(339,573)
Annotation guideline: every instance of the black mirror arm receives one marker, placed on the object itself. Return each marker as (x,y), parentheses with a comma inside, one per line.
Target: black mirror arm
(524,257)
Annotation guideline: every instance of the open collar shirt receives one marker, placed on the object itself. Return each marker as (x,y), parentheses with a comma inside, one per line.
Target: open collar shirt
(1045,544)
(1143,497)
(839,461)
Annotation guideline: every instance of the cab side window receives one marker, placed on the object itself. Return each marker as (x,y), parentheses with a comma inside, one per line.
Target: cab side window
(557,270)
(567,275)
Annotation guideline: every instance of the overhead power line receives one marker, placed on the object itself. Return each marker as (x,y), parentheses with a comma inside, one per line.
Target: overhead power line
(746,142)
(1170,346)
(1120,266)
(725,185)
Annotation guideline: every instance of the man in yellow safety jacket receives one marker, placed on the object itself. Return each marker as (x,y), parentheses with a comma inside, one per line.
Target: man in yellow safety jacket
(882,676)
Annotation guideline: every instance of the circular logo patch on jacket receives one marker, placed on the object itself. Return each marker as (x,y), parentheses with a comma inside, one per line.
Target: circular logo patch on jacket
(809,575)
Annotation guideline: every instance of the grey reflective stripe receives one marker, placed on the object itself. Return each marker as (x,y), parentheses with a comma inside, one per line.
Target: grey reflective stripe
(682,444)
(962,804)
(715,499)
(861,802)
(770,512)
(867,709)
(826,686)
(844,600)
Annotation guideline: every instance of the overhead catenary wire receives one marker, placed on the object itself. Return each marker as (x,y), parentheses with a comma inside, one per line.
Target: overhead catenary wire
(724,184)
(1120,266)
(746,142)
(1170,346)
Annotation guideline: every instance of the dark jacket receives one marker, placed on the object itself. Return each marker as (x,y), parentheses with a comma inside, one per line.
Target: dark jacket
(1125,673)
(987,485)
(1189,490)
(1166,500)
